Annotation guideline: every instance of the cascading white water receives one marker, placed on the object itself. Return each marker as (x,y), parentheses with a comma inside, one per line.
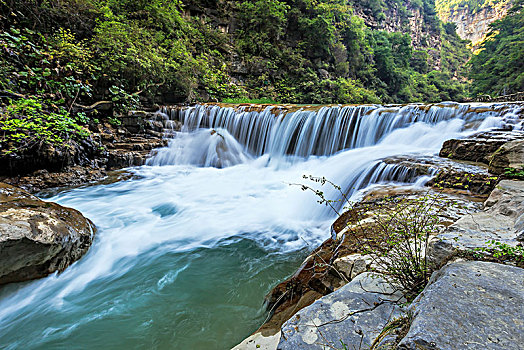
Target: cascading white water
(187,248)
(326,130)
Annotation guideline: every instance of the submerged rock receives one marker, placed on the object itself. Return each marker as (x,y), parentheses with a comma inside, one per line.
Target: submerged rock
(38,238)
(469,305)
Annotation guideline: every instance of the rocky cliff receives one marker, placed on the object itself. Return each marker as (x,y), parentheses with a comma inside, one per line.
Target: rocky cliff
(473,24)
(402,16)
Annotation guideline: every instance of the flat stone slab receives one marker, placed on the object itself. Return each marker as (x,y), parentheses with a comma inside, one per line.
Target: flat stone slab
(352,316)
(469,305)
(501,220)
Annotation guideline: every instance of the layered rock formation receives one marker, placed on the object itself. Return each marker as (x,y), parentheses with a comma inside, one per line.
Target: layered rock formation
(498,149)
(38,238)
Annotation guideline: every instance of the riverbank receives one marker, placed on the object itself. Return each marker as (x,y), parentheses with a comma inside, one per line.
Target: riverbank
(127,144)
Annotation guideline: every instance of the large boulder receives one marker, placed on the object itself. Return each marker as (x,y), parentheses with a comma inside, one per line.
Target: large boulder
(469,305)
(499,150)
(38,238)
(502,220)
(353,317)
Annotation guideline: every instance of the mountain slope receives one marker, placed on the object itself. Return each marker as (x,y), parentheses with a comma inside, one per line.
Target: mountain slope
(301,51)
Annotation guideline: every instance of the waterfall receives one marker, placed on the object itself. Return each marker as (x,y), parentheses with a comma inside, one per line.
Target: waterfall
(322,131)
(279,136)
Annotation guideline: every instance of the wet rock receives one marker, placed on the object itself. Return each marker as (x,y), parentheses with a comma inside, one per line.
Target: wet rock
(50,156)
(38,238)
(43,179)
(479,183)
(469,305)
(499,221)
(448,173)
(313,279)
(353,316)
(133,152)
(479,147)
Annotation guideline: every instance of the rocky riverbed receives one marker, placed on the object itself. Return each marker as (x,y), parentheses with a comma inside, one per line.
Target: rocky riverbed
(337,297)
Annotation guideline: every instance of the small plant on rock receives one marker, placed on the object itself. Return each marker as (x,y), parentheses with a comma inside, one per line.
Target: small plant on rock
(513,173)
(502,252)
(394,230)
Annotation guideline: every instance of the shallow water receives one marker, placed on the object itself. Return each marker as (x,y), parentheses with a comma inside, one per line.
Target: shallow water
(186,251)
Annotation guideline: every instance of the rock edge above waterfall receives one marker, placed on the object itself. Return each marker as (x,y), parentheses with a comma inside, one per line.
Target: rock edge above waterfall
(38,238)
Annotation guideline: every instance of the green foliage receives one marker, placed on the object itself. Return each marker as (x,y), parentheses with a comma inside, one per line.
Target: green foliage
(262,23)
(497,68)
(513,173)
(123,101)
(502,251)
(296,51)
(56,68)
(26,123)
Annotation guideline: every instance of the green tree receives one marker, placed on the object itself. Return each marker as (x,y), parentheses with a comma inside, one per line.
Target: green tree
(498,67)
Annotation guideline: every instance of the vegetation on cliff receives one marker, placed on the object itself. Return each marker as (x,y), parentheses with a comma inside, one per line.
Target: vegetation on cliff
(498,68)
(445,7)
(298,51)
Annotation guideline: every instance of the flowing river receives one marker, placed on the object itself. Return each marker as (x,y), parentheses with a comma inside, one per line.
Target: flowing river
(190,244)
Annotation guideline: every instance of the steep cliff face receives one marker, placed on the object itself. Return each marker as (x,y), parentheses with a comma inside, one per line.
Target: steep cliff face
(473,22)
(402,16)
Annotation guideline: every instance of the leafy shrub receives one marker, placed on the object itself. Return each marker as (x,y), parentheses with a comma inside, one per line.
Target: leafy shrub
(56,69)
(27,123)
(394,231)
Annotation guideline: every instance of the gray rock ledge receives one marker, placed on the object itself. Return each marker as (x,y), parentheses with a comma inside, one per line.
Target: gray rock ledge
(354,315)
(469,305)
